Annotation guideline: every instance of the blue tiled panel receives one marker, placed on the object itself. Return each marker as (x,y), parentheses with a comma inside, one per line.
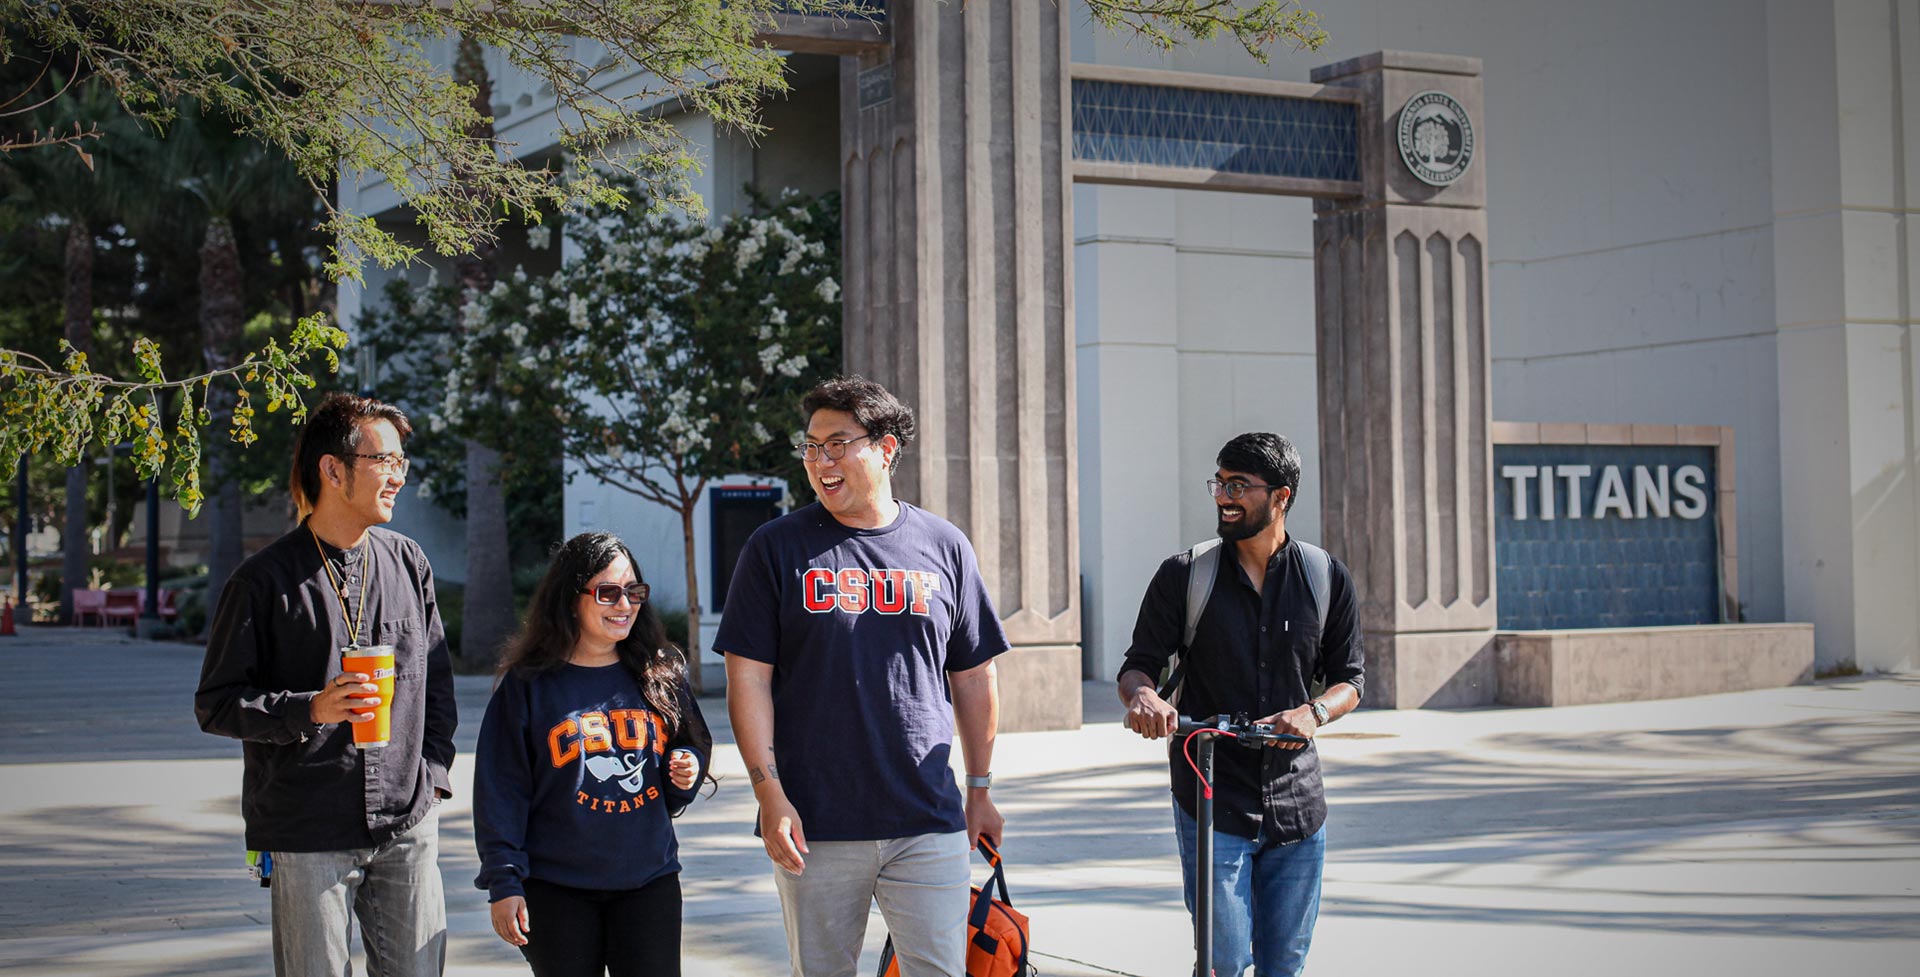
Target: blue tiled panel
(1609,572)
(1229,132)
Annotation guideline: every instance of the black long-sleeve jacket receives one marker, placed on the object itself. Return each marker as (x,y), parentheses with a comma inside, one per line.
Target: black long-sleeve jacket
(275,642)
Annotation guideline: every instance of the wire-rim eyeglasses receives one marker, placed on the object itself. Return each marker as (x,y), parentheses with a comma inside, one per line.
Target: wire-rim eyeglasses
(1233,490)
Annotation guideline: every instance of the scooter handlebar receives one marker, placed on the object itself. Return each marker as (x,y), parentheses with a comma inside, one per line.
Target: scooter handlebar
(1251,734)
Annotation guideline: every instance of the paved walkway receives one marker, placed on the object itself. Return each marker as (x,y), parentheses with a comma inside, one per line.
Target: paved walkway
(1759,833)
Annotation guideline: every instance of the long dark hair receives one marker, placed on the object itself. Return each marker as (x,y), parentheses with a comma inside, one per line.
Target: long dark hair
(547,640)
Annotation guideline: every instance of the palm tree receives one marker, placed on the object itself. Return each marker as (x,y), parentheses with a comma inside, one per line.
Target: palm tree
(220,178)
(65,188)
(489,613)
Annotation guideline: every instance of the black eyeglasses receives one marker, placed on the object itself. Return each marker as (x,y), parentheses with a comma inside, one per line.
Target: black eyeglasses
(834,449)
(609,593)
(386,463)
(1233,490)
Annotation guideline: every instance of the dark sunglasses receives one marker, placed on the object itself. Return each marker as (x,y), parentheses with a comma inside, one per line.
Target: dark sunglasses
(609,593)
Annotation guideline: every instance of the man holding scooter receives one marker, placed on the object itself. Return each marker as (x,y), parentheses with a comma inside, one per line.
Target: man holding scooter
(1258,621)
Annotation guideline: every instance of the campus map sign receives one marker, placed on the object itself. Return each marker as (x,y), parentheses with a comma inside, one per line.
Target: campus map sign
(1597,536)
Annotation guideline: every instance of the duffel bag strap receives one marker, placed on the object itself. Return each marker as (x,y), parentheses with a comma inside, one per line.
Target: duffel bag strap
(977,921)
(992,855)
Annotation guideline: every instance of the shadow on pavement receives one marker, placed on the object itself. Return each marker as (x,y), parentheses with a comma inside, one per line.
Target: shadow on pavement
(1568,809)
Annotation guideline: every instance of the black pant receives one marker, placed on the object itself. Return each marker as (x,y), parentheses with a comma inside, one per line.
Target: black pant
(585,932)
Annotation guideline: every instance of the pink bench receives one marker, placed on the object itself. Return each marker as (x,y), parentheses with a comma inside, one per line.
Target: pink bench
(92,602)
(124,605)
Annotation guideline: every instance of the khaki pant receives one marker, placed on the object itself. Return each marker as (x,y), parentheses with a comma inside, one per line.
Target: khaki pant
(921,884)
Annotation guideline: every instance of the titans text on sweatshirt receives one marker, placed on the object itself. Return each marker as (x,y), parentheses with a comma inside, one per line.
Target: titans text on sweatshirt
(570,781)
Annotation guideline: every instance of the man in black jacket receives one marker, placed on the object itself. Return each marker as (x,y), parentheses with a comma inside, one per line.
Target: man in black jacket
(349,831)
(1259,647)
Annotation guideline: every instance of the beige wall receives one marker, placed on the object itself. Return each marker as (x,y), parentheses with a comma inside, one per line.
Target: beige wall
(1846,148)
(1630,261)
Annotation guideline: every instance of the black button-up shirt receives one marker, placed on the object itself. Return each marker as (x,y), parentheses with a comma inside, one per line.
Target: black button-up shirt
(275,642)
(1255,652)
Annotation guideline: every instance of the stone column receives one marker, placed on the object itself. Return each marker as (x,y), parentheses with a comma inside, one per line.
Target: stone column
(1401,293)
(958,256)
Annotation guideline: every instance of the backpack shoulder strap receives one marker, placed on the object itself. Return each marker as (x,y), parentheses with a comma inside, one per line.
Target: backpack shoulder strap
(1319,577)
(1202,568)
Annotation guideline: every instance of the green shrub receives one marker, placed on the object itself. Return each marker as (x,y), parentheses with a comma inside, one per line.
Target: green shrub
(189,578)
(46,588)
(192,604)
(114,573)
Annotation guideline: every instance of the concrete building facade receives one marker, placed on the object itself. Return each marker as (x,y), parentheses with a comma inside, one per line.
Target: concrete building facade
(1693,215)
(1696,215)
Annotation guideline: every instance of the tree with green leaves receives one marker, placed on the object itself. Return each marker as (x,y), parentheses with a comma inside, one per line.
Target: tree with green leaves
(68,191)
(366,86)
(488,614)
(215,184)
(283,70)
(64,407)
(415,331)
(1256,25)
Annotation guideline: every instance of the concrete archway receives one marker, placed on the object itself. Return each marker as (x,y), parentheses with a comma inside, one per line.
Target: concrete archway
(963,130)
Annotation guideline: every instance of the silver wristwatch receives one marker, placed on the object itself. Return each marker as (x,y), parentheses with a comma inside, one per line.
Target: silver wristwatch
(1320,716)
(983,782)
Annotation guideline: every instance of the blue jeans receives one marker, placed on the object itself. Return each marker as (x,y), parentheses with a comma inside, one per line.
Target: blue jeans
(394,890)
(1279,886)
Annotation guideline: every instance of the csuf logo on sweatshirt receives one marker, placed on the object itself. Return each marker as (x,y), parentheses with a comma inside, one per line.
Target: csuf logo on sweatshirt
(857,591)
(615,748)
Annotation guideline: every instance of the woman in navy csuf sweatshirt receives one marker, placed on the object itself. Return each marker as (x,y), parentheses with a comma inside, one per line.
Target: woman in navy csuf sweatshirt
(591,742)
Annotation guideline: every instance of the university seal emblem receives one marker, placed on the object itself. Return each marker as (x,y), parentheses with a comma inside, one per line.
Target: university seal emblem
(1436,138)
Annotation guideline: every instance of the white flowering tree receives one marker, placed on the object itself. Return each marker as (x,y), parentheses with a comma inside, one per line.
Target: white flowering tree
(667,353)
(685,349)
(451,349)
(443,353)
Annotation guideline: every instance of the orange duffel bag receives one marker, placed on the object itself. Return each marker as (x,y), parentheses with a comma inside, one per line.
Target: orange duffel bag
(996,932)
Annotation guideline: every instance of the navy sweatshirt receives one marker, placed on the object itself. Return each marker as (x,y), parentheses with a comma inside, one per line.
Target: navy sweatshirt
(570,781)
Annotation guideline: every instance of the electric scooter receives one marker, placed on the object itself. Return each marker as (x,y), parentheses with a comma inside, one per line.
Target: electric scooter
(1206,731)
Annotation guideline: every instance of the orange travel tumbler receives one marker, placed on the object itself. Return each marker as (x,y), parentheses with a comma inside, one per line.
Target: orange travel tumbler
(376,662)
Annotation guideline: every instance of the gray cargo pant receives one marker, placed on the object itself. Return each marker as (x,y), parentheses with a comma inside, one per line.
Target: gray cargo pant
(921,884)
(395,891)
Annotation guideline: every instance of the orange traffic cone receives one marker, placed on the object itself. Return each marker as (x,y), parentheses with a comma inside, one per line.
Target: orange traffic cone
(6,619)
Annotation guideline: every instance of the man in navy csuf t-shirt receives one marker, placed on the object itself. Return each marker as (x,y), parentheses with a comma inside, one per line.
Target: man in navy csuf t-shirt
(859,638)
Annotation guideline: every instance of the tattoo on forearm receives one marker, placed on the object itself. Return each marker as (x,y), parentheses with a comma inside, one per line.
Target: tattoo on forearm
(773,771)
(759,776)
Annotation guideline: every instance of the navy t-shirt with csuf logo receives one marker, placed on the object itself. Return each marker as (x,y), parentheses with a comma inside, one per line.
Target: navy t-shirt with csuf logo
(861,627)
